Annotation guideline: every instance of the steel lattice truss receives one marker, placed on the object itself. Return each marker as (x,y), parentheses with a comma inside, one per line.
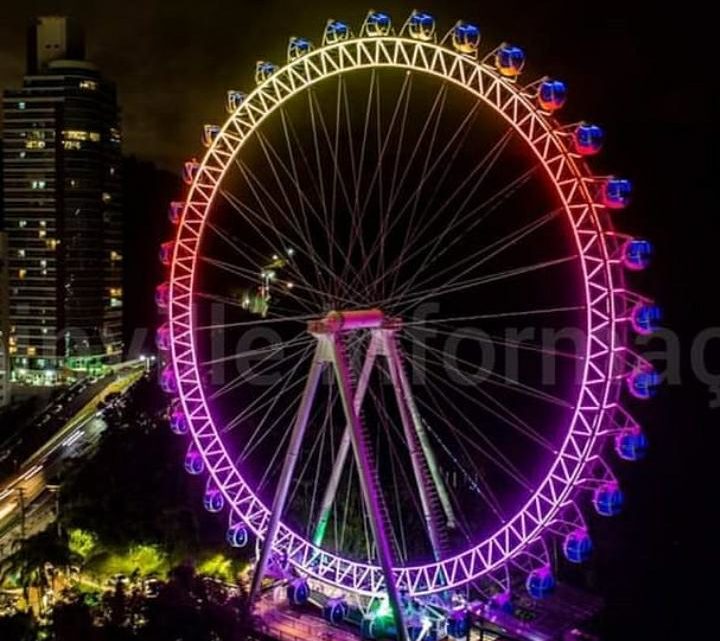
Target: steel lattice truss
(577,466)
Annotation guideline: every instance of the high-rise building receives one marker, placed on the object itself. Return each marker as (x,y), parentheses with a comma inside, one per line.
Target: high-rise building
(4,326)
(63,210)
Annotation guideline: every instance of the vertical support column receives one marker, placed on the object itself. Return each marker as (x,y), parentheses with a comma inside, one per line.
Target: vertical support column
(291,457)
(404,385)
(339,466)
(368,484)
(422,479)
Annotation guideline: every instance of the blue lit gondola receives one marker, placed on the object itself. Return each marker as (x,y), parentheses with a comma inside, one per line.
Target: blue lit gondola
(421,26)
(237,536)
(552,95)
(335,611)
(377,24)
(162,337)
(540,583)
(213,500)
(646,319)
(631,445)
(466,37)
(617,192)
(168,382)
(588,139)
(178,422)
(577,546)
(298,592)
(336,31)
(637,254)
(298,47)
(194,463)
(234,100)
(643,383)
(608,499)
(263,70)
(510,60)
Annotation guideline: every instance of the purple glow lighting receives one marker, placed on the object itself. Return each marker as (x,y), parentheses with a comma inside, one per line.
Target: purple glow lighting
(599,389)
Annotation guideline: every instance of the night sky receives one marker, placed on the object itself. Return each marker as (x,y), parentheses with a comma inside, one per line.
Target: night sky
(646,77)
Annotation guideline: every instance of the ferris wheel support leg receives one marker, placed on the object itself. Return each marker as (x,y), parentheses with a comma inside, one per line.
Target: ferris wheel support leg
(339,465)
(422,478)
(291,458)
(403,385)
(368,484)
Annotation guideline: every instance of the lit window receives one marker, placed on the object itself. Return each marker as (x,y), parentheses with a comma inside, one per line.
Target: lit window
(116,291)
(71,145)
(43,223)
(22,273)
(21,105)
(42,233)
(77,134)
(43,263)
(31,351)
(52,243)
(38,184)
(115,256)
(21,253)
(22,154)
(106,198)
(90,85)
(41,362)
(22,223)
(34,144)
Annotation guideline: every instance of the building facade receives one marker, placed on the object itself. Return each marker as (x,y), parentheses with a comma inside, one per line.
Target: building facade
(63,210)
(4,326)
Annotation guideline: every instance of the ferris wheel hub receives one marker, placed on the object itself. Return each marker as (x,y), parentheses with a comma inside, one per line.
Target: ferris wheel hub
(338,321)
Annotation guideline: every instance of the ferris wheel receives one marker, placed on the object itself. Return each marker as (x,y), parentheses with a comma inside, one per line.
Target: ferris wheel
(398,326)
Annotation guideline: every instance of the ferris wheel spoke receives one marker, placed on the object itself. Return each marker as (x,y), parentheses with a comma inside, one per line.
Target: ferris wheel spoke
(498,458)
(382,140)
(496,315)
(493,378)
(484,337)
(243,377)
(261,432)
(291,142)
(274,348)
(234,244)
(346,255)
(486,492)
(429,250)
(485,253)
(448,167)
(389,428)
(355,226)
(453,286)
(474,217)
(236,270)
(476,179)
(428,170)
(309,252)
(273,159)
(483,167)
(279,249)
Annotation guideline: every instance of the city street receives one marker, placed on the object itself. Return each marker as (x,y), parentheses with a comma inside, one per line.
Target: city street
(26,498)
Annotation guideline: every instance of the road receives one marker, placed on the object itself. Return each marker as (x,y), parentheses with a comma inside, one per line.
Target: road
(26,500)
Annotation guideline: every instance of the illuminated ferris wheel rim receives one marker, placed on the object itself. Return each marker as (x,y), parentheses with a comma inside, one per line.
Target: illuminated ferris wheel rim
(573,182)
